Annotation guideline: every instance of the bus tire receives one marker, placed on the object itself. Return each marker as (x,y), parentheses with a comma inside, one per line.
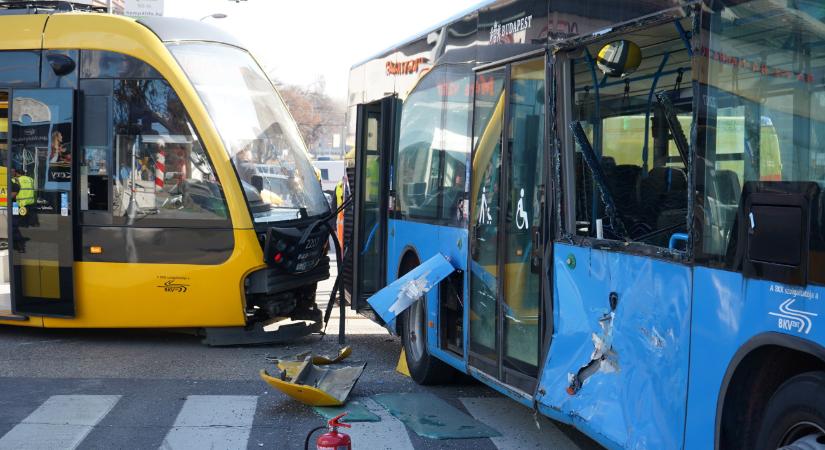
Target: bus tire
(795,414)
(424,368)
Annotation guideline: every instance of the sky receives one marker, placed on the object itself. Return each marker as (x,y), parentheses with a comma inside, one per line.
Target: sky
(299,41)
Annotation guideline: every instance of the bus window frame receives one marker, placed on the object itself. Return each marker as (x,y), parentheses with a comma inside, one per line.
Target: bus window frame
(566,179)
(440,219)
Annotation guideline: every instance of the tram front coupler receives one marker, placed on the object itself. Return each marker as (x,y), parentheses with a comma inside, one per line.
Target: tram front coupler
(280,298)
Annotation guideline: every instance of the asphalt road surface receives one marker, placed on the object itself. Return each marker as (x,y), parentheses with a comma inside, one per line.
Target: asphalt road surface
(143,389)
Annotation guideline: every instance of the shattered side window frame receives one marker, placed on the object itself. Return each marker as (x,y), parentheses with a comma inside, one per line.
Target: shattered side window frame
(562,138)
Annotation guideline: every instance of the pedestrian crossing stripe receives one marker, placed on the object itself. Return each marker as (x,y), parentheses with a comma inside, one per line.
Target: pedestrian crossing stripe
(226,422)
(61,422)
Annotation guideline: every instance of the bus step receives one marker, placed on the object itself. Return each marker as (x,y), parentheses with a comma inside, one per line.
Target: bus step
(256,335)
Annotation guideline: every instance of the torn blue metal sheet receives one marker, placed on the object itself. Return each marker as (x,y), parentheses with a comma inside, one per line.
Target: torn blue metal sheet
(433,418)
(391,301)
(622,331)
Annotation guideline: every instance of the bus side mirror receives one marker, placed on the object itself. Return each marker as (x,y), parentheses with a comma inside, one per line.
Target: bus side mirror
(619,58)
(258,182)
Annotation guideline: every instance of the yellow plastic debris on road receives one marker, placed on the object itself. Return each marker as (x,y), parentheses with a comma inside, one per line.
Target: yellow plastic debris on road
(316,386)
(401,367)
(291,365)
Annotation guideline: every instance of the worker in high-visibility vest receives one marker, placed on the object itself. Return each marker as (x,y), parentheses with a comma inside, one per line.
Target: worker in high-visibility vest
(22,194)
(22,190)
(339,200)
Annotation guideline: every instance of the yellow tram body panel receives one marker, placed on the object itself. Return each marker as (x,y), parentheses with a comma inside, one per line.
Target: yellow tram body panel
(122,295)
(22,32)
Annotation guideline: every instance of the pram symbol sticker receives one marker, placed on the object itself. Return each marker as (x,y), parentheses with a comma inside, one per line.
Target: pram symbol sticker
(484,217)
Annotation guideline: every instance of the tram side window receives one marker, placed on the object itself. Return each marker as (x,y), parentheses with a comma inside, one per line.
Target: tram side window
(433,149)
(161,169)
(765,86)
(645,175)
(19,68)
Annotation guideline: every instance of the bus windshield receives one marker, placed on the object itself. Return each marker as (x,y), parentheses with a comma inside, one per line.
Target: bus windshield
(260,136)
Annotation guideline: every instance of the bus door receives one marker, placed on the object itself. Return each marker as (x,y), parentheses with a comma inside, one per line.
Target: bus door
(508,193)
(40,218)
(375,134)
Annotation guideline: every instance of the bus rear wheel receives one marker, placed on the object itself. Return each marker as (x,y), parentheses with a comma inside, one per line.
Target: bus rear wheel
(795,415)
(424,368)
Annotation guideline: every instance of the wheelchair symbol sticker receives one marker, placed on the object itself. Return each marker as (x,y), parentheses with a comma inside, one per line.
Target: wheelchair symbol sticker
(521,215)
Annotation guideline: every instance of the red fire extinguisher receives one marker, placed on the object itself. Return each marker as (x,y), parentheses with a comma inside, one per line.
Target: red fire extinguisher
(333,440)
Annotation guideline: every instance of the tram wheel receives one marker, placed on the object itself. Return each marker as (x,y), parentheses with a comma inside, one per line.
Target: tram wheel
(424,368)
(795,415)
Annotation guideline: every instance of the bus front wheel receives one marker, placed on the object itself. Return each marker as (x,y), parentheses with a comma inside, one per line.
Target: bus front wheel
(423,367)
(795,415)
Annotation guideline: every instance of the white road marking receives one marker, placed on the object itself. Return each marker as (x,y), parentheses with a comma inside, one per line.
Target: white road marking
(516,424)
(389,431)
(212,421)
(61,422)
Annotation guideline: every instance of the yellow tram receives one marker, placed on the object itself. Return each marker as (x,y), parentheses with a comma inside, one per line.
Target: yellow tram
(156,178)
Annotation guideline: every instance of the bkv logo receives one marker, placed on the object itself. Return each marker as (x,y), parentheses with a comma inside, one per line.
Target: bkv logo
(172,286)
(793,319)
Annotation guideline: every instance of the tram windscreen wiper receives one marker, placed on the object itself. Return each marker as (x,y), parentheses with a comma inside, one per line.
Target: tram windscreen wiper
(598,176)
(663,99)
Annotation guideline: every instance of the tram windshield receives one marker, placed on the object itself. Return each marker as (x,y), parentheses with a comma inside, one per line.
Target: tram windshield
(261,138)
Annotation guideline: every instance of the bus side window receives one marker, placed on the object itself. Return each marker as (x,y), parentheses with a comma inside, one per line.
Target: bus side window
(418,165)
(434,148)
(629,132)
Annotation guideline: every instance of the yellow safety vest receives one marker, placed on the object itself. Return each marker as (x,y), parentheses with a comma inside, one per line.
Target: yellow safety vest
(26,195)
(339,193)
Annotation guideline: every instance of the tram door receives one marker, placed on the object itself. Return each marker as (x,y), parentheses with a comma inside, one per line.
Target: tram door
(508,192)
(41,238)
(375,131)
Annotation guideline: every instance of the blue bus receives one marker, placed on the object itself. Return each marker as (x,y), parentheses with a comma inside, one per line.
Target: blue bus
(611,211)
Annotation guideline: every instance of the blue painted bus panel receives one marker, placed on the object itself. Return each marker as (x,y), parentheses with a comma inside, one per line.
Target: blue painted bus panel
(728,311)
(632,361)
(399,295)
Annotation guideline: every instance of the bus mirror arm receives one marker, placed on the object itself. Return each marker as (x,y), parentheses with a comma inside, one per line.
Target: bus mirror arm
(672,120)
(598,176)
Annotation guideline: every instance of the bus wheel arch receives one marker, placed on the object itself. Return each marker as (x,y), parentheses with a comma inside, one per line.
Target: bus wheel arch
(755,372)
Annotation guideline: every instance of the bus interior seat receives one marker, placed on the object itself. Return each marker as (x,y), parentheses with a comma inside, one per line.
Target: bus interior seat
(622,181)
(664,189)
(728,190)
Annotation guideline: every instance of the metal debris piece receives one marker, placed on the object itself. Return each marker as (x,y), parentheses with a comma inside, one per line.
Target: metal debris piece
(315,385)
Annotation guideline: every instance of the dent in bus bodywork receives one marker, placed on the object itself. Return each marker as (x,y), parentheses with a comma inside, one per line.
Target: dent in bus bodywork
(647,332)
(399,295)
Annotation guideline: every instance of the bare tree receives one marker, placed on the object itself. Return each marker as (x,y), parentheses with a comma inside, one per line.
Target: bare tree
(317,114)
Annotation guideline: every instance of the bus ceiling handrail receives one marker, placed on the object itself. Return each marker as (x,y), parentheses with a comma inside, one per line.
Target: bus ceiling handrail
(597,123)
(684,35)
(656,77)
